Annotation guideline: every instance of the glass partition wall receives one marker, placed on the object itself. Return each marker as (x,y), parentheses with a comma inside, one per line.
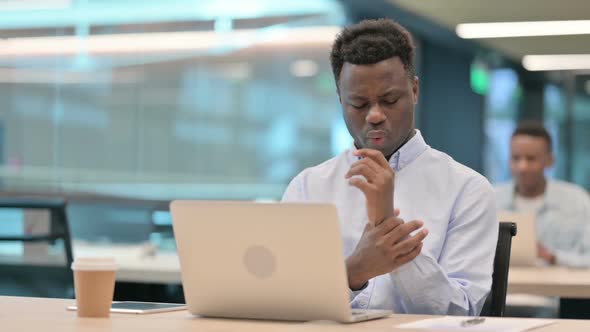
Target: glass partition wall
(193,99)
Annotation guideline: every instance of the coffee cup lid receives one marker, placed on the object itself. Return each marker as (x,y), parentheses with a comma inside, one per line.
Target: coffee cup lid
(94,264)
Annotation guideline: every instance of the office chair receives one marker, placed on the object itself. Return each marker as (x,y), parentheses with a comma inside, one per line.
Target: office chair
(496,300)
(38,279)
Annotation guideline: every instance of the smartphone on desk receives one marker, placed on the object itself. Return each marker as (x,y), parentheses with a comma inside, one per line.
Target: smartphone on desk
(130,307)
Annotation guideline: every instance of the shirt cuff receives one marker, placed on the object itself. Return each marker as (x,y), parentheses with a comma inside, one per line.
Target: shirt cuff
(352,293)
(566,259)
(360,289)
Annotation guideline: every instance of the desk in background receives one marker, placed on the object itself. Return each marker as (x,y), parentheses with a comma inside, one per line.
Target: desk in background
(136,263)
(550,281)
(144,274)
(163,267)
(141,264)
(572,286)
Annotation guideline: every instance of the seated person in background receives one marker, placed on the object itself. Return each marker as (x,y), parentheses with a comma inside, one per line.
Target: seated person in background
(562,209)
(391,262)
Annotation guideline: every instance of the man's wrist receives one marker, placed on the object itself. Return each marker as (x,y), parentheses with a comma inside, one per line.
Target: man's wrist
(382,219)
(356,279)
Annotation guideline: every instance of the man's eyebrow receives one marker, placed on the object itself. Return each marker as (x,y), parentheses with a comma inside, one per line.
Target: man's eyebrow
(355,96)
(391,92)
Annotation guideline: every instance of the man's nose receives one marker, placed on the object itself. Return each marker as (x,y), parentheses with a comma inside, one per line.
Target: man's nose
(522,165)
(375,114)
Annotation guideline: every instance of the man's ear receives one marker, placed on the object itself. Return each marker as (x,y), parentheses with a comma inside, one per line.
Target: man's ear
(416,89)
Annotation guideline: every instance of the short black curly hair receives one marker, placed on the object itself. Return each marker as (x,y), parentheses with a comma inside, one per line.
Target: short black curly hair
(372,41)
(534,129)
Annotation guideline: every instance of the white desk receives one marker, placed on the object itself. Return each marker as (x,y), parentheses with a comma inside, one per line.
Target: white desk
(136,266)
(545,281)
(38,314)
(550,281)
(137,263)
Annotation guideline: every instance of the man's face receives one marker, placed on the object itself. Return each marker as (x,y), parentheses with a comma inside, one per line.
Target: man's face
(378,102)
(529,156)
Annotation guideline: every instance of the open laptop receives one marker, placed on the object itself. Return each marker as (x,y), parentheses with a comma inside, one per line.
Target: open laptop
(524,244)
(263,261)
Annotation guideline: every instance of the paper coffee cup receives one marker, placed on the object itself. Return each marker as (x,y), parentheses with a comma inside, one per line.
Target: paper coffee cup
(94,283)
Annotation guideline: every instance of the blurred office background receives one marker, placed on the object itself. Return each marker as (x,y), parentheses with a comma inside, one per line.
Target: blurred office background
(224,99)
(229,100)
(216,99)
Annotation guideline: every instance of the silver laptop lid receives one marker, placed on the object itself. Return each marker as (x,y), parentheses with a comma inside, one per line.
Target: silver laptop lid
(524,245)
(260,260)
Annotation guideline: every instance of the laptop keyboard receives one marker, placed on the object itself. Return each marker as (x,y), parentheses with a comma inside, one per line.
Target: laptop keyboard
(359,312)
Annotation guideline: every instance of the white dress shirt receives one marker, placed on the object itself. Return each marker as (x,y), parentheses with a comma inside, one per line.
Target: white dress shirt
(453,273)
(563,221)
(527,205)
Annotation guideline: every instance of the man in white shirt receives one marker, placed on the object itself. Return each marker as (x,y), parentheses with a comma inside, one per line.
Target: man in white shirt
(419,229)
(561,210)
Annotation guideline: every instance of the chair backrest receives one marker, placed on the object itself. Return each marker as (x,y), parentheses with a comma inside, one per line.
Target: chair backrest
(496,300)
(33,279)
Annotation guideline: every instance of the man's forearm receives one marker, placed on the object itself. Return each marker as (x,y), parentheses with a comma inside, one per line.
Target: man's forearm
(357,278)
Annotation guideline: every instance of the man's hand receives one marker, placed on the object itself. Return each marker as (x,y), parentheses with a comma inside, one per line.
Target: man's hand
(383,248)
(545,254)
(377,184)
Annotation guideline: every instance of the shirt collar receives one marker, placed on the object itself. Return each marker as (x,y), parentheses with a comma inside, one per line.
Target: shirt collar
(404,155)
(548,196)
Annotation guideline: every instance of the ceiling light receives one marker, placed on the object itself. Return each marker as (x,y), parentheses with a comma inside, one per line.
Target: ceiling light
(303,68)
(556,62)
(115,43)
(9,5)
(235,71)
(43,76)
(165,42)
(522,29)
